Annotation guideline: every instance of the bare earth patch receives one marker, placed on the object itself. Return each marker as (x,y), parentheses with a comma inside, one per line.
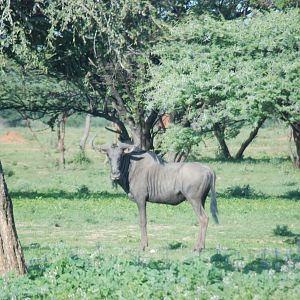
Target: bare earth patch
(12,137)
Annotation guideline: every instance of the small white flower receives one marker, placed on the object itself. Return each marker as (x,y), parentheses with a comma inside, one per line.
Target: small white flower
(252,274)
(226,280)
(271,272)
(284,268)
(291,275)
(290,264)
(152,251)
(239,264)
(215,297)
(71,296)
(200,289)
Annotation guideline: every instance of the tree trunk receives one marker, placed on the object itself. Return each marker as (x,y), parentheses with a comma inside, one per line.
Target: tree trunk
(252,135)
(142,138)
(61,130)
(142,131)
(86,132)
(11,255)
(219,134)
(296,135)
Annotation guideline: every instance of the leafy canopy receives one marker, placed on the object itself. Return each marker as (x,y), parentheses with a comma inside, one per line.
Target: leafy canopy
(230,71)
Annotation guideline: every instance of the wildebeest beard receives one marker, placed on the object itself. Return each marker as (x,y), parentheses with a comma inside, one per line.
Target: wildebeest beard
(114,184)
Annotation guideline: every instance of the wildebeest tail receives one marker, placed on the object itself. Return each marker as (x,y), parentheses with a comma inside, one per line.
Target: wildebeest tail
(213,202)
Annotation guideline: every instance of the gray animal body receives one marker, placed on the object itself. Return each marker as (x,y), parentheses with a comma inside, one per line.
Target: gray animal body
(147,178)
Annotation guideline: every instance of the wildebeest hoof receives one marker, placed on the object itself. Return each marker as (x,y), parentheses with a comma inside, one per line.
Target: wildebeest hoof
(130,196)
(197,249)
(144,246)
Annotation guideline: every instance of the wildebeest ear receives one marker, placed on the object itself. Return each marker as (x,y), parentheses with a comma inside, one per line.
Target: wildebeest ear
(127,148)
(104,148)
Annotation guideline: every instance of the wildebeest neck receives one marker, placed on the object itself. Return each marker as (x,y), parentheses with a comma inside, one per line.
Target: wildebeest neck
(131,162)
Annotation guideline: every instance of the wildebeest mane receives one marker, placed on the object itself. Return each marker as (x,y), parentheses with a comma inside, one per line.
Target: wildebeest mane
(138,154)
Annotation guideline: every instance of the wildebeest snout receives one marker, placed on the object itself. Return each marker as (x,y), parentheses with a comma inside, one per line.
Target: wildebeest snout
(115,177)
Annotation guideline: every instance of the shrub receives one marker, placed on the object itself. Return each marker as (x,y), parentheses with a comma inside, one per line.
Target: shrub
(245,191)
(176,245)
(8,172)
(282,231)
(80,159)
(294,195)
(83,190)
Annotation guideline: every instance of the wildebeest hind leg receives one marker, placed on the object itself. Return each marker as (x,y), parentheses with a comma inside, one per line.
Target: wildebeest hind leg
(203,222)
(143,224)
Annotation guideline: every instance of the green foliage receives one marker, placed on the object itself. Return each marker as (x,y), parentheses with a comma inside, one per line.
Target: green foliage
(83,190)
(77,121)
(11,118)
(293,194)
(94,57)
(81,159)
(229,73)
(176,245)
(95,252)
(178,139)
(245,191)
(66,274)
(282,231)
(32,93)
(96,50)
(8,171)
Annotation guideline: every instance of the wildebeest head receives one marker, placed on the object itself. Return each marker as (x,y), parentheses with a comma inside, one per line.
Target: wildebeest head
(115,153)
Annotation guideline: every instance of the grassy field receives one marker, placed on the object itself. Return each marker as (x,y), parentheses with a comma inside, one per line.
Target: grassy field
(81,237)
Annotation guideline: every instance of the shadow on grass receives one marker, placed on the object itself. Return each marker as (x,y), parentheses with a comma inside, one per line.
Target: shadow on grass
(284,231)
(292,195)
(37,270)
(250,160)
(258,265)
(34,246)
(240,192)
(247,192)
(67,195)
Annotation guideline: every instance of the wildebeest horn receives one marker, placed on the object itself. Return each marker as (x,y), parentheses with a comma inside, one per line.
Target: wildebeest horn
(93,144)
(97,148)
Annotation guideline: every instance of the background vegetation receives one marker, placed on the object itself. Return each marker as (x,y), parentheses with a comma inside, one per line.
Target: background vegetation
(226,76)
(81,237)
(213,66)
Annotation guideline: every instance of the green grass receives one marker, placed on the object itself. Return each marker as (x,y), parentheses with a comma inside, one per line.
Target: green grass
(81,237)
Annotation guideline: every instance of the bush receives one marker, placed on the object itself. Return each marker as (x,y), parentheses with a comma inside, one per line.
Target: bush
(294,195)
(8,172)
(176,245)
(81,159)
(282,231)
(83,190)
(245,191)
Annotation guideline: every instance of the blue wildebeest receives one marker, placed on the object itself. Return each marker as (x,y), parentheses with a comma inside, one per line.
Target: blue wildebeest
(147,178)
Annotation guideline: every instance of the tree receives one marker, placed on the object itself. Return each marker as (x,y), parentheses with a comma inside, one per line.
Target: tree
(87,128)
(11,255)
(95,47)
(100,50)
(295,156)
(223,75)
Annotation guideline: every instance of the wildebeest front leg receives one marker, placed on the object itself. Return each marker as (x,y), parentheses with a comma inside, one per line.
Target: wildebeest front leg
(143,224)
(203,222)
